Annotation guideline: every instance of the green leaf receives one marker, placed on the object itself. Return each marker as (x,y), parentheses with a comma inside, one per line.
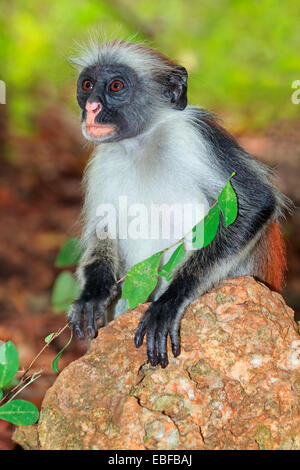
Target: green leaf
(9,363)
(228,204)
(49,337)
(69,254)
(207,226)
(19,412)
(141,280)
(57,358)
(65,291)
(1,394)
(173,262)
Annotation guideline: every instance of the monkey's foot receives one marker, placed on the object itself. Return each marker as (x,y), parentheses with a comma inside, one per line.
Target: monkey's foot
(158,322)
(86,318)
(87,315)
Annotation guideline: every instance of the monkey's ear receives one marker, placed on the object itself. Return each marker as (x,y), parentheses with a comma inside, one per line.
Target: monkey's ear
(175,87)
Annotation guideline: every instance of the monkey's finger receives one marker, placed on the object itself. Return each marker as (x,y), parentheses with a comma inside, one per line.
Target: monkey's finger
(151,348)
(175,341)
(100,322)
(141,331)
(91,327)
(156,346)
(99,315)
(76,319)
(162,348)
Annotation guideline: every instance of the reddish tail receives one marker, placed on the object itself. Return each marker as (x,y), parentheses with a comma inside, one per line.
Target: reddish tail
(272,259)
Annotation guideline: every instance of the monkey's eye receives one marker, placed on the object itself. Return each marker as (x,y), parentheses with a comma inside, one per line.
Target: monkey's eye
(116,85)
(87,85)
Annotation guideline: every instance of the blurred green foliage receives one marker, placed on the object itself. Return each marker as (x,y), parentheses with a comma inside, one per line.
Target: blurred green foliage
(242,55)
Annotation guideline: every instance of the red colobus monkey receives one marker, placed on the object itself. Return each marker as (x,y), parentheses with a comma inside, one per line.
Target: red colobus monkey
(153,148)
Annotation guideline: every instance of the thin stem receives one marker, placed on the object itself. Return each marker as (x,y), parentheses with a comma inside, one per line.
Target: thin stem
(43,349)
(33,378)
(24,377)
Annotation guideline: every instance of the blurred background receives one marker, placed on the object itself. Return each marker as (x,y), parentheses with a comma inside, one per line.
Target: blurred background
(242,57)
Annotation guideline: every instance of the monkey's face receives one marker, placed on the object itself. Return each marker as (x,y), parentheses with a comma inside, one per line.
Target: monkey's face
(118,103)
(115,103)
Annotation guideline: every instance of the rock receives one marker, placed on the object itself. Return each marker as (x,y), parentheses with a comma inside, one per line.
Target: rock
(26,437)
(236,384)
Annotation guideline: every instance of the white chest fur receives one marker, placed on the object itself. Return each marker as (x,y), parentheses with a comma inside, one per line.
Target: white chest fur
(157,169)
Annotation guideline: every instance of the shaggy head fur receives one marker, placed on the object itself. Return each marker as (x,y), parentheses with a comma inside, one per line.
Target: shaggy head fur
(150,83)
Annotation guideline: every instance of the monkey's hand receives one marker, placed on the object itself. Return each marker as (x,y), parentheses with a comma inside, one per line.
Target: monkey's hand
(159,321)
(87,314)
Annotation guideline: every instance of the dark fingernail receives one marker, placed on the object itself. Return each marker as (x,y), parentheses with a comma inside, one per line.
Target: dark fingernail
(163,361)
(100,322)
(153,361)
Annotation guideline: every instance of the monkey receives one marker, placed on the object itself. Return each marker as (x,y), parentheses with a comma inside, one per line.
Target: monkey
(151,146)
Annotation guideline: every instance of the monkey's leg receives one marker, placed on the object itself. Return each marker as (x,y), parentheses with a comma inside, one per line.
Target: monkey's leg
(97,274)
(163,318)
(198,273)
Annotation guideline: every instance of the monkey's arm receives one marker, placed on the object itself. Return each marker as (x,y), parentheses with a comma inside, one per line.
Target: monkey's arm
(205,267)
(97,273)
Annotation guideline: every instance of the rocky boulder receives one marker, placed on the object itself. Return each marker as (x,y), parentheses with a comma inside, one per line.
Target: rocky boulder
(236,384)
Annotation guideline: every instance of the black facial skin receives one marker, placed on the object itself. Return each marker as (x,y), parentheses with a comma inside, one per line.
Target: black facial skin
(127,109)
(130,109)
